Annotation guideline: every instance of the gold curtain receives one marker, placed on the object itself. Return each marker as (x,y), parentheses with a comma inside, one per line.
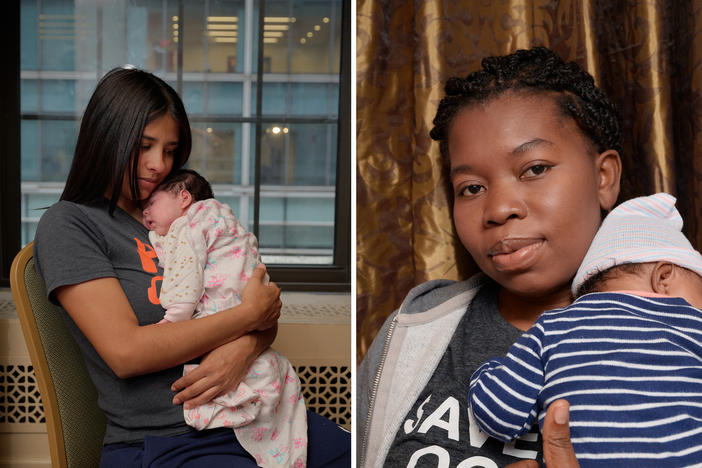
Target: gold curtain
(646,55)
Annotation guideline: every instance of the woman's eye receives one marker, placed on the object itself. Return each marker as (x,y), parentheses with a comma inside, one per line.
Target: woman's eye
(536,170)
(472,189)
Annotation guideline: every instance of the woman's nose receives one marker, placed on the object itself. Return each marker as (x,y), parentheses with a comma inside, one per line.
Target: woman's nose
(503,203)
(155,160)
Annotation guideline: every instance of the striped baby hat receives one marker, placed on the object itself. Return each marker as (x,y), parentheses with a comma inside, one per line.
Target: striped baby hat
(643,229)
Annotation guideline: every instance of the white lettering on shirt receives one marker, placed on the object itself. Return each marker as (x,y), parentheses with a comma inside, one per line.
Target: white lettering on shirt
(410,425)
(440,452)
(451,406)
(474,462)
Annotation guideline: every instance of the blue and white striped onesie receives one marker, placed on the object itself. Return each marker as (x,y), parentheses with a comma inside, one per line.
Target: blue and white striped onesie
(630,367)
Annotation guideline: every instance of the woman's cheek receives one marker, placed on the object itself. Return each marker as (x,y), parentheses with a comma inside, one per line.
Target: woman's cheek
(468,236)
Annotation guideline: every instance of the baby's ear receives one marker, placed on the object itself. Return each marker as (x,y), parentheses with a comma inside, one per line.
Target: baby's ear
(186,198)
(662,277)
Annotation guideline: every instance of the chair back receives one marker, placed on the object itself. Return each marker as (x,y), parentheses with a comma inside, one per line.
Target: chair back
(75,424)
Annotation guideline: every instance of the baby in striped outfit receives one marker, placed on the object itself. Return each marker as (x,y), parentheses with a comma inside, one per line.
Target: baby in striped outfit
(627,354)
(207,257)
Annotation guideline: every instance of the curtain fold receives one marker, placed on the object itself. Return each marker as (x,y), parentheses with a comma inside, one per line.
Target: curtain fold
(645,55)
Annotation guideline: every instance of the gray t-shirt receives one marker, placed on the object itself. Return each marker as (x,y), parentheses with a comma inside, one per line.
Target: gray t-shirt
(438,430)
(76,243)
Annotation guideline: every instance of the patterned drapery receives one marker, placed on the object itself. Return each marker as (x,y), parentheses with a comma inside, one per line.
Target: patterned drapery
(645,54)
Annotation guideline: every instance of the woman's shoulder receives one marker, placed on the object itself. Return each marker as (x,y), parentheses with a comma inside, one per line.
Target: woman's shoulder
(427,302)
(57,216)
(68,244)
(62,209)
(68,210)
(69,225)
(66,215)
(441,294)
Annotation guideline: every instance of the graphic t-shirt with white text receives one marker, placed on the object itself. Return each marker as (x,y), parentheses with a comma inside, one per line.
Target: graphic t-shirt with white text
(438,431)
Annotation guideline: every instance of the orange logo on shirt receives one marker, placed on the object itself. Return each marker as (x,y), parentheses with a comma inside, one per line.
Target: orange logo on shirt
(153,295)
(147,254)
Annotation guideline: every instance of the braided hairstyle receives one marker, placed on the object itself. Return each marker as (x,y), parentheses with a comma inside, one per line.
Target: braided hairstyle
(537,70)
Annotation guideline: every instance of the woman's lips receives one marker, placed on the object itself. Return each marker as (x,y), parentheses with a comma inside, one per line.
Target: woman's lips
(147,184)
(511,255)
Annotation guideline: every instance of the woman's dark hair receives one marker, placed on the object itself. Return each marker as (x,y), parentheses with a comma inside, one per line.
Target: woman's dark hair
(187,179)
(124,102)
(535,70)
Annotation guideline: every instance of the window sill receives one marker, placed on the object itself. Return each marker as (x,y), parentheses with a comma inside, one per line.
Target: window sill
(298,307)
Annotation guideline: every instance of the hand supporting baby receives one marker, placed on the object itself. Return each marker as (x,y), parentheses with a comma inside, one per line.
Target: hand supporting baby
(224,367)
(263,300)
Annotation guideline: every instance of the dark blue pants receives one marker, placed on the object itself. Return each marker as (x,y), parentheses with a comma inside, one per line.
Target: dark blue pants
(328,446)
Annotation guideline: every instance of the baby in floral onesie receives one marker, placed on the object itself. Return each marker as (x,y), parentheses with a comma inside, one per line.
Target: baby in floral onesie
(207,257)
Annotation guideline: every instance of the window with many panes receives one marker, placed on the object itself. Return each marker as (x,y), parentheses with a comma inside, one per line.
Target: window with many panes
(265,84)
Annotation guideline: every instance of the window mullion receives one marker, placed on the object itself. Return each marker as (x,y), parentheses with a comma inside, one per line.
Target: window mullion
(342,222)
(181,40)
(246,112)
(259,111)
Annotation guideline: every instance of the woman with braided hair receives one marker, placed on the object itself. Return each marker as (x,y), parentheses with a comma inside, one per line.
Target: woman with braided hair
(532,149)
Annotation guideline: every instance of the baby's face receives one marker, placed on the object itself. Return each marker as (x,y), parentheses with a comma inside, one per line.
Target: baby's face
(161,209)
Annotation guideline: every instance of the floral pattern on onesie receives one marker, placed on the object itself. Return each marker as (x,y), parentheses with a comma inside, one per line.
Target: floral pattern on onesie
(207,257)
(267,413)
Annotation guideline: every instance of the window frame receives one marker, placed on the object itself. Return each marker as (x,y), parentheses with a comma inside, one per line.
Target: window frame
(334,277)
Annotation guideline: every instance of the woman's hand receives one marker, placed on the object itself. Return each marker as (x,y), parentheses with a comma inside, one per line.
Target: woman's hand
(558,451)
(263,300)
(222,369)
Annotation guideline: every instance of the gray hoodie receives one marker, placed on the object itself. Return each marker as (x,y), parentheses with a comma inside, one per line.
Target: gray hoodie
(404,355)
(404,358)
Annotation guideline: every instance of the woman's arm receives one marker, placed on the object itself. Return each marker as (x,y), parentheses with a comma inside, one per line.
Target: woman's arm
(102,311)
(222,369)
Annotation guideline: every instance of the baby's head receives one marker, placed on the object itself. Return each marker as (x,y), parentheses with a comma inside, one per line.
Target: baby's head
(661,277)
(172,199)
(640,246)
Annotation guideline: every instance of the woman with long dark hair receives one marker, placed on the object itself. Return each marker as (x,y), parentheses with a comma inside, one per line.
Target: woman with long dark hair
(95,258)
